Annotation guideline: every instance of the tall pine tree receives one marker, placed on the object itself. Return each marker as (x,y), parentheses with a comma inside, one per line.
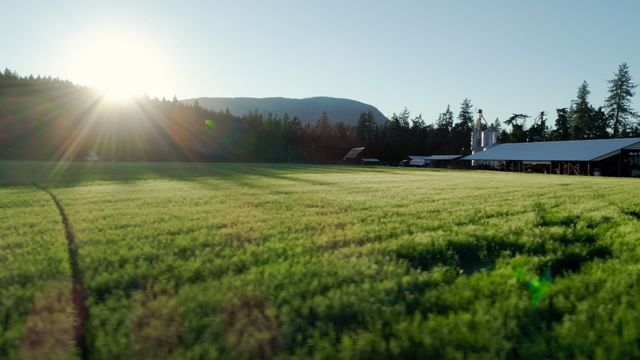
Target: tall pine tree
(366,128)
(618,103)
(581,116)
(563,125)
(465,117)
(445,120)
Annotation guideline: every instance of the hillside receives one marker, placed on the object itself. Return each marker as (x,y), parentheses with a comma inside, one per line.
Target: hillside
(70,122)
(307,110)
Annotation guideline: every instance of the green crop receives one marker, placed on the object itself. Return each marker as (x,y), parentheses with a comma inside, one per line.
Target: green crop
(252,261)
(35,281)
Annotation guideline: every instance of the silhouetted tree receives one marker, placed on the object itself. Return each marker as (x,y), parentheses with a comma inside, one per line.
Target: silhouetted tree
(465,116)
(599,124)
(445,120)
(581,116)
(461,131)
(618,103)
(562,129)
(366,128)
(539,130)
(517,123)
(52,112)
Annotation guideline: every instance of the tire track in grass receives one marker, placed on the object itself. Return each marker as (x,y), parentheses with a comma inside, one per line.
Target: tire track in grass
(78,293)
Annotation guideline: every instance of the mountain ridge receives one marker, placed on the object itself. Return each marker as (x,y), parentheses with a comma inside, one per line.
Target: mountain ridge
(308,110)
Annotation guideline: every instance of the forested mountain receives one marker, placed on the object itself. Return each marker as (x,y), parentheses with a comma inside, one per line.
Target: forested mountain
(52,119)
(307,110)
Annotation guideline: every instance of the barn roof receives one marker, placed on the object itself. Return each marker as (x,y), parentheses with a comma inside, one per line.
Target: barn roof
(573,150)
(443,157)
(353,153)
(434,157)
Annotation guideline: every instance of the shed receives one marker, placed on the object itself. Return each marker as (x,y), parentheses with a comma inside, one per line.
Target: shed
(353,154)
(370,161)
(432,160)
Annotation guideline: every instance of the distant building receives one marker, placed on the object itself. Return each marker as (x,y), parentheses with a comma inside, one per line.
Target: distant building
(609,157)
(370,161)
(93,156)
(482,137)
(433,161)
(355,156)
(417,161)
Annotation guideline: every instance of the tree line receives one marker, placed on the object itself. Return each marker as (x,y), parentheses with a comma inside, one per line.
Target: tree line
(46,118)
(581,120)
(451,133)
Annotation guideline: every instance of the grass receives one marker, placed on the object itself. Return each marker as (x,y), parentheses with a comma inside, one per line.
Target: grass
(294,261)
(35,278)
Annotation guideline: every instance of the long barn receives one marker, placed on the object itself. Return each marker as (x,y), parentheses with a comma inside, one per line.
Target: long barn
(608,157)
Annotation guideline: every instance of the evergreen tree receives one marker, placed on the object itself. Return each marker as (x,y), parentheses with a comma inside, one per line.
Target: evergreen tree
(517,123)
(600,124)
(323,126)
(398,134)
(418,122)
(445,120)
(539,130)
(465,117)
(496,126)
(618,103)
(10,75)
(442,132)
(418,135)
(365,129)
(403,118)
(460,134)
(581,116)
(563,125)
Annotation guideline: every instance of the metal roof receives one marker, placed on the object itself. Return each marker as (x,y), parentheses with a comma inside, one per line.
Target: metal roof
(443,157)
(573,150)
(434,157)
(353,153)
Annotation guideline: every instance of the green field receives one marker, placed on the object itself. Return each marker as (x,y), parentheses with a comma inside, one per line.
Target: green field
(293,261)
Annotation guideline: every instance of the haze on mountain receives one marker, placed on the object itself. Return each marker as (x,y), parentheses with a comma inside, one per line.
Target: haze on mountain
(308,110)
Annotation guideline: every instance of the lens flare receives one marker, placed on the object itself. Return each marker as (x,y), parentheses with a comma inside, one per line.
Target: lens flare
(121,64)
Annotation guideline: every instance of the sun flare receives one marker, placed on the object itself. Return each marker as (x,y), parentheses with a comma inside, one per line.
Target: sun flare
(120,65)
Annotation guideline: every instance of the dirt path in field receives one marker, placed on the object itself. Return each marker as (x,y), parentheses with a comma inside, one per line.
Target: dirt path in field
(78,293)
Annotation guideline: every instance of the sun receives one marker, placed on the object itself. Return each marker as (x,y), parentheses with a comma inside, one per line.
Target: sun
(119,64)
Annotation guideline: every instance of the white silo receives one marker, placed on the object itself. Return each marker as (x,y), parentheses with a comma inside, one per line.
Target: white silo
(489,139)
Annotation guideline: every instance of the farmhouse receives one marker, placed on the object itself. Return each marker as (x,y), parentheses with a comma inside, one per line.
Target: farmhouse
(608,157)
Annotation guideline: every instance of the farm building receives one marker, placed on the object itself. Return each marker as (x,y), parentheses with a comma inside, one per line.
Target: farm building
(370,161)
(608,157)
(355,156)
(432,160)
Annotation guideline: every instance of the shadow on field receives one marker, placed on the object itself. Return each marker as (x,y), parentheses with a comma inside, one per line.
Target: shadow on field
(572,244)
(633,213)
(64,174)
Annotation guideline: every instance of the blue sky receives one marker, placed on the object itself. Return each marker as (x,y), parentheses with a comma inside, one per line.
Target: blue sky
(506,56)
